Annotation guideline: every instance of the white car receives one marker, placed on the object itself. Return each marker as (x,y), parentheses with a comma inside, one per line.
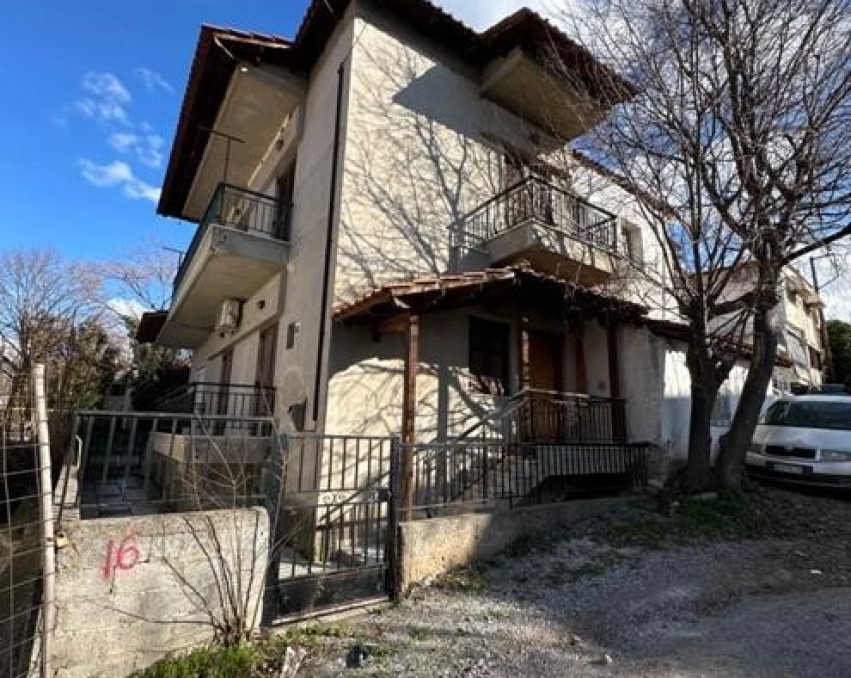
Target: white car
(804,439)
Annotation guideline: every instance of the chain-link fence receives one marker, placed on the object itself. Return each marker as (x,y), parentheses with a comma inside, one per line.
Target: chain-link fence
(26,523)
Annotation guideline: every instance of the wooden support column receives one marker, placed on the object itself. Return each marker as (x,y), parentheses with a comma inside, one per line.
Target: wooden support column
(581,364)
(409,412)
(524,373)
(614,361)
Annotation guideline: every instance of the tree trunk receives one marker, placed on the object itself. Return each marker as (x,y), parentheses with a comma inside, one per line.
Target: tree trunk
(734,445)
(704,390)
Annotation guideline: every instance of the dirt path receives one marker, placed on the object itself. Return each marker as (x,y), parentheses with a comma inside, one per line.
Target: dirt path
(583,607)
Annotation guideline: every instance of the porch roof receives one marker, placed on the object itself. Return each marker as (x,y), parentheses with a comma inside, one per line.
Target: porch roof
(445,292)
(150,326)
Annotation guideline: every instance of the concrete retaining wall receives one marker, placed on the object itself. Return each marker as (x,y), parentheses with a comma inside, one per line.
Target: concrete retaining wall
(431,547)
(130,590)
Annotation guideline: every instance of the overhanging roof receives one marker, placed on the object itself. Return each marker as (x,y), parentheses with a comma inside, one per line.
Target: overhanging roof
(220,50)
(150,326)
(446,292)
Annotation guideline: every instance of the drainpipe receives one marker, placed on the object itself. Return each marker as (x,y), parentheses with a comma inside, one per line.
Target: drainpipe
(329,239)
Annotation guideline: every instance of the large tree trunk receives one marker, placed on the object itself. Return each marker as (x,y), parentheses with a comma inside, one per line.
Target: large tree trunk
(734,445)
(704,390)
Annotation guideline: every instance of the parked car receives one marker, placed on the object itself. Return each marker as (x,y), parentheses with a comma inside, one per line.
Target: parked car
(804,439)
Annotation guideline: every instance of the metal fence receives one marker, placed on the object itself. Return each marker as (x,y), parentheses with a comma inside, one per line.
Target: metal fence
(26,523)
(138,463)
(206,398)
(507,475)
(331,500)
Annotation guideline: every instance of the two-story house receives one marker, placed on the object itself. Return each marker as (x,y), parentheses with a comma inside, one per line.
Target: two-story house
(391,239)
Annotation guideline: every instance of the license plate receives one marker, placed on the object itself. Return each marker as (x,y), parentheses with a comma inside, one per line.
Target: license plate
(787,468)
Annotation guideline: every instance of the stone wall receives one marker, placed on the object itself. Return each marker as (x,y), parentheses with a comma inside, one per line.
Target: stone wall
(131,590)
(431,547)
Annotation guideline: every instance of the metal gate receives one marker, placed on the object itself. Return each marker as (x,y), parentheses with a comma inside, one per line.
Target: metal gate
(333,505)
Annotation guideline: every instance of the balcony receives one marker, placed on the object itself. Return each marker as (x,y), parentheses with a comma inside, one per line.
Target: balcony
(241,243)
(206,399)
(555,231)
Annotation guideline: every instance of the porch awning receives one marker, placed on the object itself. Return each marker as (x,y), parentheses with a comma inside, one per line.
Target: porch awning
(445,292)
(150,326)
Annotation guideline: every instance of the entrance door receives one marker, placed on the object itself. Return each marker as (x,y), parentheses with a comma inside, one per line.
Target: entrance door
(546,367)
(224,382)
(284,190)
(265,376)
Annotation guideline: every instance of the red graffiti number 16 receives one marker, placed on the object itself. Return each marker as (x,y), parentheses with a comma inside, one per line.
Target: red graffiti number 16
(124,557)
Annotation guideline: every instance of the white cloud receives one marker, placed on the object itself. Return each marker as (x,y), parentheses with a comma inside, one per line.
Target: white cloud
(148,148)
(481,14)
(126,307)
(153,80)
(118,174)
(150,151)
(106,98)
(123,142)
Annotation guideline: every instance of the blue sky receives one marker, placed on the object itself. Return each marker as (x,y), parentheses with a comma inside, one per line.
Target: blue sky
(92,90)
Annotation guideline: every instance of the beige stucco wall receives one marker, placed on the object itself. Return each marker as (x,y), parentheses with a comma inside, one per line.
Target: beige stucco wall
(422,151)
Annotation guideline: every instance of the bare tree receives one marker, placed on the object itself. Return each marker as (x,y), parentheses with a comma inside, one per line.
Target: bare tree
(50,312)
(143,278)
(741,129)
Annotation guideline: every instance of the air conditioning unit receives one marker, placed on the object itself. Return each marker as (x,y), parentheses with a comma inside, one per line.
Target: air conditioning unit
(229,316)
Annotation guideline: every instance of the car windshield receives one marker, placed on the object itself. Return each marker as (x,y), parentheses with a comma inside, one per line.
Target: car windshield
(810,414)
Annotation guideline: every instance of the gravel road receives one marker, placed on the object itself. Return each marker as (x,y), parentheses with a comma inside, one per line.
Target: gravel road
(776,606)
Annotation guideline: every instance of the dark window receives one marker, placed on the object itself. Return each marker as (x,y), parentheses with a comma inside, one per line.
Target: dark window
(834,415)
(815,358)
(285,189)
(489,356)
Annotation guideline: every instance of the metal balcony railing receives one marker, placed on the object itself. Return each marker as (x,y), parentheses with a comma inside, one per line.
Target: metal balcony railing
(241,210)
(534,198)
(206,398)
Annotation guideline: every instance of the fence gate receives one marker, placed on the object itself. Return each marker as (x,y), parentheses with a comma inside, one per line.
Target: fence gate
(334,518)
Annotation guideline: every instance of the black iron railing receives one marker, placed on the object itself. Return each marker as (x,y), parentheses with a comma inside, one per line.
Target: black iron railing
(241,210)
(534,198)
(206,398)
(552,417)
(521,474)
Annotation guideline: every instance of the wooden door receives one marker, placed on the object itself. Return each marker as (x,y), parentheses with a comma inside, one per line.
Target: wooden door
(224,382)
(546,367)
(284,192)
(265,375)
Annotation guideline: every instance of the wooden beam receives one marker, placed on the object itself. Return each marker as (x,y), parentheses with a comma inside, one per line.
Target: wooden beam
(581,364)
(409,413)
(614,361)
(524,372)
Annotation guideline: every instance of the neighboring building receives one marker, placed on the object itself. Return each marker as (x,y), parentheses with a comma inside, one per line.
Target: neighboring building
(7,373)
(390,241)
(802,340)
(801,350)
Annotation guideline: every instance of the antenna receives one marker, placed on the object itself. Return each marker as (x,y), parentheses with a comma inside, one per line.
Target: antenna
(229,138)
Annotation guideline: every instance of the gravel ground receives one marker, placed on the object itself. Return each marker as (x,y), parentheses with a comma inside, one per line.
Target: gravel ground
(579,606)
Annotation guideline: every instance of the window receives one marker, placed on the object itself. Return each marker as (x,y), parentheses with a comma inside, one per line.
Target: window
(815,358)
(832,415)
(722,410)
(489,356)
(632,242)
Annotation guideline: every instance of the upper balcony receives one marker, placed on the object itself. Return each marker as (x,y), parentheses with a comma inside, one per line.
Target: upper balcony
(241,242)
(557,232)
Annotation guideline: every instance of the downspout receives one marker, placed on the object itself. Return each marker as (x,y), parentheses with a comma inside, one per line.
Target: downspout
(329,239)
